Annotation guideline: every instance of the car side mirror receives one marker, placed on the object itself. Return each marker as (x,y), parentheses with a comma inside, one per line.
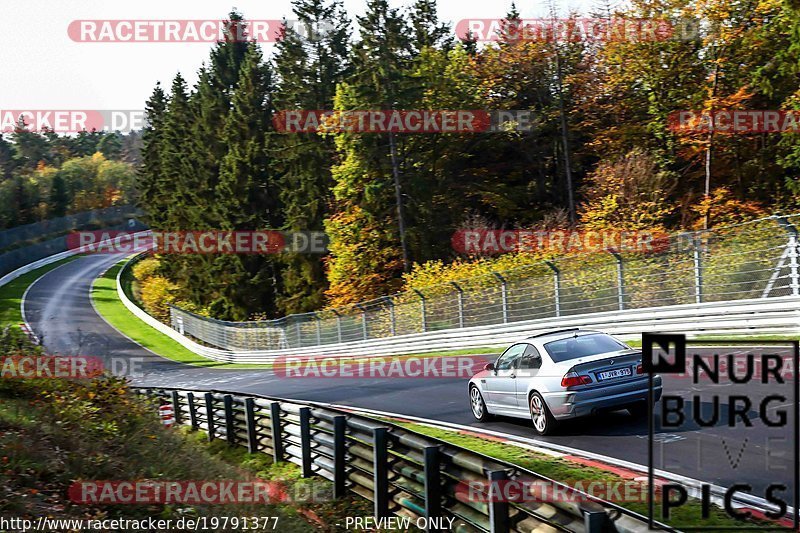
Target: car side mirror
(488,366)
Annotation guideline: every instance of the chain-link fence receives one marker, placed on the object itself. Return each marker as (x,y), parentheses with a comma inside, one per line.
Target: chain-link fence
(758,259)
(26,244)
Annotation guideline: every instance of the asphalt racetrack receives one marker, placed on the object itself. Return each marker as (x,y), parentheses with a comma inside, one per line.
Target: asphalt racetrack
(59,309)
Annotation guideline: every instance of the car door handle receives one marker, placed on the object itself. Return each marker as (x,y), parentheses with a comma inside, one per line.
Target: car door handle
(512,376)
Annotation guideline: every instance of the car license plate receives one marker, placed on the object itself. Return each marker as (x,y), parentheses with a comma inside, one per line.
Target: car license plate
(611,374)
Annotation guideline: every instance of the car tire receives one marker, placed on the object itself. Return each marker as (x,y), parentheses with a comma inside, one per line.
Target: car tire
(543,421)
(478,406)
(638,409)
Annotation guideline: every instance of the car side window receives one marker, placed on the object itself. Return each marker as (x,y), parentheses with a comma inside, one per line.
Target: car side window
(509,359)
(531,359)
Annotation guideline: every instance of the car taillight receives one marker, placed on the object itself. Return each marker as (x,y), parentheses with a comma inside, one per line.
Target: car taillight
(572,379)
(639,369)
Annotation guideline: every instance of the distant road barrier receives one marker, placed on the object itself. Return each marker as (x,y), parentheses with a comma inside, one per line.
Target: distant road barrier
(402,472)
(776,315)
(702,275)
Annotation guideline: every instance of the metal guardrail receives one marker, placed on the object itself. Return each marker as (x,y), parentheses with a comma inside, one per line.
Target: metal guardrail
(401,472)
(749,261)
(112,218)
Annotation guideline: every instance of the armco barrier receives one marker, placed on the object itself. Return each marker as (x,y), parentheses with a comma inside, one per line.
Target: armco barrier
(49,260)
(761,315)
(401,472)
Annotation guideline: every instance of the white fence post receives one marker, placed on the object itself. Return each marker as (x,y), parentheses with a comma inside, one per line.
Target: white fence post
(620,280)
(504,294)
(460,303)
(794,276)
(556,285)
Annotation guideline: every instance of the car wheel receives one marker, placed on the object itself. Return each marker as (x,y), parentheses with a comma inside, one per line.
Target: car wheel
(478,405)
(638,410)
(543,421)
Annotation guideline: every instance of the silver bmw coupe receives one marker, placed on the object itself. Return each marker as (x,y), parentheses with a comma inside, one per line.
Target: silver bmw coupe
(559,375)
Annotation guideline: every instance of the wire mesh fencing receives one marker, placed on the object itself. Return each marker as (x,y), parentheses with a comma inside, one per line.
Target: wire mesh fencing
(757,259)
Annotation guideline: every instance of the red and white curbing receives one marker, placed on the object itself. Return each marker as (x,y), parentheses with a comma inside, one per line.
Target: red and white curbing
(29,332)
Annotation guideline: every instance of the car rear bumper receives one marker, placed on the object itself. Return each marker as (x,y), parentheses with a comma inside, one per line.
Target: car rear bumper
(572,404)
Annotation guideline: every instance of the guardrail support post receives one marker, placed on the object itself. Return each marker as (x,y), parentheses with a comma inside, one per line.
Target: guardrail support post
(176,407)
(433,487)
(422,309)
(794,275)
(230,431)
(380,471)
(319,332)
(392,319)
(556,285)
(305,440)
(299,334)
(192,411)
(460,303)
(498,510)
(339,456)
(620,280)
(504,295)
(698,269)
(363,321)
(210,415)
(250,423)
(277,438)
(595,521)
(338,325)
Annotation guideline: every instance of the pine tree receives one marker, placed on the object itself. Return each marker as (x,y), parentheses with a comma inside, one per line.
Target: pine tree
(308,71)
(151,184)
(177,169)
(247,195)
(59,199)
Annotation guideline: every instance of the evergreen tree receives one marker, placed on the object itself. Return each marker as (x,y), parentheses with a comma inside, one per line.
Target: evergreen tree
(308,71)
(151,183)
(247,195)
(177,169)
(59,199)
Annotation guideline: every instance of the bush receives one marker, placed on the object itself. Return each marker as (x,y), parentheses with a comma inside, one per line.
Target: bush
(157,293)
(146,268)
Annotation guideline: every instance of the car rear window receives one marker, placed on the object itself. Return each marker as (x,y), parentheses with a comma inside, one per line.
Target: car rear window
(582,346)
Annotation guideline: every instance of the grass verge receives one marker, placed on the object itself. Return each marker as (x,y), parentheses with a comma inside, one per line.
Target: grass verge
(637,343)
(12,292)
(110,307)
(108,304)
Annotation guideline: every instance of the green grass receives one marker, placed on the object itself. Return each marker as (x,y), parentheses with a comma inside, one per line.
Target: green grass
(111,308)
(563,470)
(11,294)
(108,304)
(637,343)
